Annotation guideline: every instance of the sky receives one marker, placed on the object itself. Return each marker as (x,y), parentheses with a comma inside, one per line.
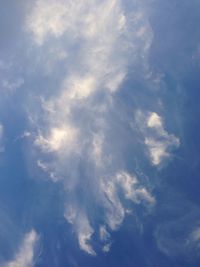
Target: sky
(99,133)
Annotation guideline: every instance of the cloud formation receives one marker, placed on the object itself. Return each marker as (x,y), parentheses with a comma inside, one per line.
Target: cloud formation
(76,137)
(25,254)
(157,140)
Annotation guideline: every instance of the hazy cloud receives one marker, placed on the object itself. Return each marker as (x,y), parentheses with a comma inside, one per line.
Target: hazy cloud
(73,130)
(157,140)
(25,254)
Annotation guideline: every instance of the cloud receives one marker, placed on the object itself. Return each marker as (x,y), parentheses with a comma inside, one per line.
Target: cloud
(83,70)
(72,140)
(177,236)
(11,86)
(10,79)
(155,121)
(106,248)
(84,234)
(108,198)
(50,18)
(105,237)
(132,191)
(82,227)
(196,234)
(194,240)
(129,186)
(157,140)
(25,254)
(57,138)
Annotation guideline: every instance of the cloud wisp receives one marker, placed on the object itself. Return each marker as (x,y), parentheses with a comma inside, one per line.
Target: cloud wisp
(76,144)
(158,141)
(25,254)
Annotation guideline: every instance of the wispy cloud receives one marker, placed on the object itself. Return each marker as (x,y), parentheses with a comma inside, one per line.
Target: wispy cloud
(157,140)
(25,254)
(110,188)
(100,40)
(75,142)
(11,86)
(105,238)
(92,100)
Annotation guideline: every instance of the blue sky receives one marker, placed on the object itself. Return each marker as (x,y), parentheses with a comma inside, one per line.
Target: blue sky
(99,133)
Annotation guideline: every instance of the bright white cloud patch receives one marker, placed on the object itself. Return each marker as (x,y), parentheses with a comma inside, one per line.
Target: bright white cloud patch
(74,136)
(82,226)
(48,17)
(84,234)
(155,121)
(25,254)
(57,138)
(158,141)
(132,191)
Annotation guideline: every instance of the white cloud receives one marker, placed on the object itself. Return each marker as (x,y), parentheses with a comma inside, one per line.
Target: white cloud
(82,227)
(58,137)
(97,149)
(45,168)
(11,86)
(80,87)
(115,212)
(155,121)
(84,234)
(131,190)
(157,140)
(196,235)
(157,150)
(25,254)
(106,248)
(25,134)
(105,238)
(101,40)
(48,17)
